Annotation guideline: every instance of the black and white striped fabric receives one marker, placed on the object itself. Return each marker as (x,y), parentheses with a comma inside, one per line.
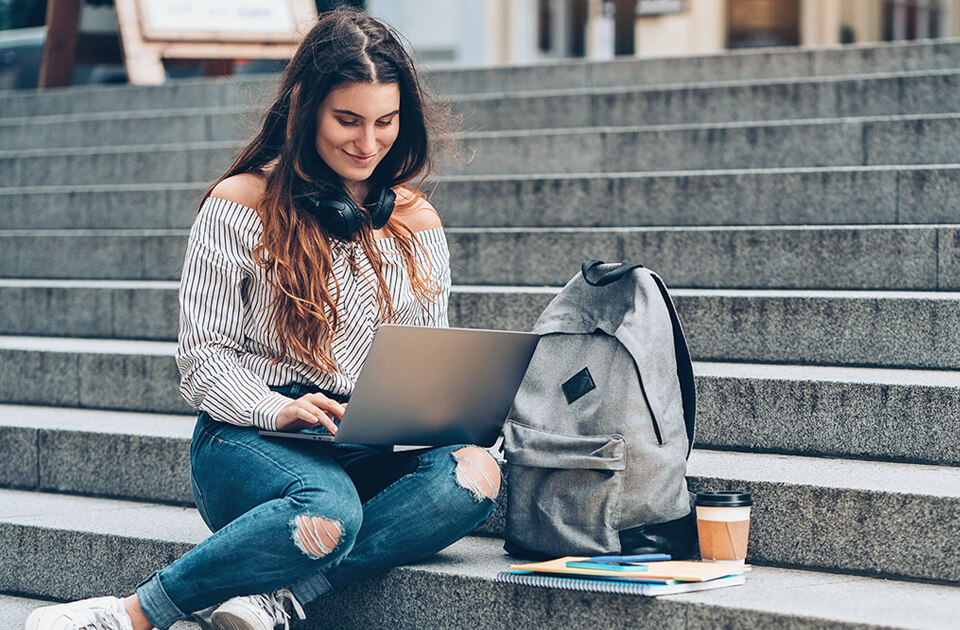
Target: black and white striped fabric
(227,336)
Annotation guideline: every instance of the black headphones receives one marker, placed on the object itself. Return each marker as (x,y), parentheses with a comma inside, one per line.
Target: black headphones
(342,217)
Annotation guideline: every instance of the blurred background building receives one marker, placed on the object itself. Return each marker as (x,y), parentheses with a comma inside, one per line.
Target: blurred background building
(494,32)
(502,32)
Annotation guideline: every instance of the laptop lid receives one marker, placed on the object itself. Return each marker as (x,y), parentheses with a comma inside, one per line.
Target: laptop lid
(434,387)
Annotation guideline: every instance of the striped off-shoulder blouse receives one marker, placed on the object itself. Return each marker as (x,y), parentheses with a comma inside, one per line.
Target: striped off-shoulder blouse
(227,339)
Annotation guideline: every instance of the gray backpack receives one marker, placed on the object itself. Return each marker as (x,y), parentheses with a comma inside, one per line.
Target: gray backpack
(597,441)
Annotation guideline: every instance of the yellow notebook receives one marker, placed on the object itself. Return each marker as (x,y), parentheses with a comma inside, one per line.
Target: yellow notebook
(682,570)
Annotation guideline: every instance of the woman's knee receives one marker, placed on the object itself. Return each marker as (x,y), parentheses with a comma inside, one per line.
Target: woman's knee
(316,536)
(323,523)
(478,472)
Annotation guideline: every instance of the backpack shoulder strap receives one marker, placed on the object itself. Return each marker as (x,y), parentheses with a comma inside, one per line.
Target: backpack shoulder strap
(598,273)
(688,387)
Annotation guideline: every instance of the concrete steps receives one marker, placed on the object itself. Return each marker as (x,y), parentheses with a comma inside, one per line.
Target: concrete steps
(737,66)
(855,515)
(714,102)
(857,195)
(908,257)
(900,94)
(869,141)
(884,414)
(801,204)
(862,328)
(854,195)
(408,597)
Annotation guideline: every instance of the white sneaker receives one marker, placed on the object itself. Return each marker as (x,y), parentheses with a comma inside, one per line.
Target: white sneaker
(98,613)
(256,612)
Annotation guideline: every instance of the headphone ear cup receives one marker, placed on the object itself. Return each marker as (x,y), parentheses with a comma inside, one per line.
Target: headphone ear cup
(384,208)
(340,215)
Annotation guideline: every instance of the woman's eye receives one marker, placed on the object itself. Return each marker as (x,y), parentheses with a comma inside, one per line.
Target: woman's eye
(347,123)
(384,123)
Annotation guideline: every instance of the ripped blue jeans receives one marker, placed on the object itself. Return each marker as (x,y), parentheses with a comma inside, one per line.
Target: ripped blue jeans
(311,516)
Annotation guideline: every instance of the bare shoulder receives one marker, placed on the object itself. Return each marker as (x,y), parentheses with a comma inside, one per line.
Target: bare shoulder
(244,188)
(415,212)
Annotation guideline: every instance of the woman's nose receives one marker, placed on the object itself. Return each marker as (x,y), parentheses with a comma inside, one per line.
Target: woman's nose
(367,142)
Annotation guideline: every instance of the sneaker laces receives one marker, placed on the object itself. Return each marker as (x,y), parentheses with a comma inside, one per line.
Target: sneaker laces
(273,604)
(96,619)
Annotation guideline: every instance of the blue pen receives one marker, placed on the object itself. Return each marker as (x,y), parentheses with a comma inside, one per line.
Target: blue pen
(622,560)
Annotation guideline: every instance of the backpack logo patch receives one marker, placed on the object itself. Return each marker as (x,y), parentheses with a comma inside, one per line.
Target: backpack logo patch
(578,385)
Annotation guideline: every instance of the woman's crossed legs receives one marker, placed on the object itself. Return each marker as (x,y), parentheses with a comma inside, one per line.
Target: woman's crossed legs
(314,517)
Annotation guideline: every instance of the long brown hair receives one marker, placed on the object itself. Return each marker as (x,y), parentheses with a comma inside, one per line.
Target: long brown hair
(345,46)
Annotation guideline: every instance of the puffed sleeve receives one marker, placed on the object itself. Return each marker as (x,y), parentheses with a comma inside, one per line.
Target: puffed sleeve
(217,265)
(435,257)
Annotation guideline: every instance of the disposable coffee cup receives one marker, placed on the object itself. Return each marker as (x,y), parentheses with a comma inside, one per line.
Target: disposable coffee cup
(723,525)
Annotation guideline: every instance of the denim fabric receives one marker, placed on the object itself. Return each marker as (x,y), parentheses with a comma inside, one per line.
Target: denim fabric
(392,508)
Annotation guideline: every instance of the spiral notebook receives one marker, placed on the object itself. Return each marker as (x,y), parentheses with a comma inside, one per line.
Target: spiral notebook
(679,570)
(600,585)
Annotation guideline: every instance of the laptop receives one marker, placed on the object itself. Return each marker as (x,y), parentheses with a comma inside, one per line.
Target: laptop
(431,387)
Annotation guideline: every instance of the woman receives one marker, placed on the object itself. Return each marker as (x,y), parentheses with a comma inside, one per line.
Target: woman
(295,258)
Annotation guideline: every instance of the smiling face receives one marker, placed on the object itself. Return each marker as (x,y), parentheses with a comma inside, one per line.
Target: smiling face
(357,124)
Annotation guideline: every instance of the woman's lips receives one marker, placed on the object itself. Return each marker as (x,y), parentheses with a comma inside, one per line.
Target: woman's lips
(360,160)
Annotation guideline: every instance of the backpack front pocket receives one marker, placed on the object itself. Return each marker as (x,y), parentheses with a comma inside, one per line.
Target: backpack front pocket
(563,491)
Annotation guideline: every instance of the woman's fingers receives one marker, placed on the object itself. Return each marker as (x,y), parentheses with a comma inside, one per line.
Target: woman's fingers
(325,404)
(310,410)
(301,414)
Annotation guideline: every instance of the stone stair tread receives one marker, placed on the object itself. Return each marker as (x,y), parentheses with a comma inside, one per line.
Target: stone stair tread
(498,95)
(881,477)
(120,149)
(699,84)
(138,113)
(892,376)
(851,474)
(134,235)
(835,374)
(175,426)
(55,283)
(127,187)
(707,172)
(785,593)
(925,55)
(104,232)
(537,230)
(612,149)
(88,345)
(501,94)
(667,127)
(892,195)
(612,229)
(167,285)
(96,515)
(883,329)
(506,133)
(678,291)
(506,177)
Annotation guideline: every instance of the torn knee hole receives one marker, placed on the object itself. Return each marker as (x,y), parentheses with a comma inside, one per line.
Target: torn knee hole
(478,472)
(316,536)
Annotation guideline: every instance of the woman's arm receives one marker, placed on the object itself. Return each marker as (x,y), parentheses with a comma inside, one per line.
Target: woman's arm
(217,268)
(420,217)
(217,265)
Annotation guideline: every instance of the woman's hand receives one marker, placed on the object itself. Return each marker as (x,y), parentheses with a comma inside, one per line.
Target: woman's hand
(309,411)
